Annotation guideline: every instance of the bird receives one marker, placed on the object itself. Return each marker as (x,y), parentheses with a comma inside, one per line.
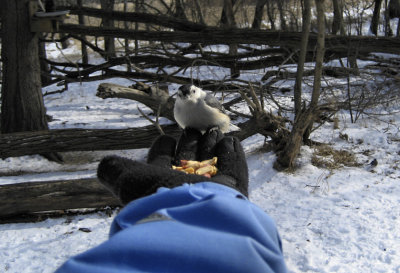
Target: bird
(374,163)
(195,108)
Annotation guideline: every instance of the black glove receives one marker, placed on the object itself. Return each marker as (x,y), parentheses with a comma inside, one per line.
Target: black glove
(129,180)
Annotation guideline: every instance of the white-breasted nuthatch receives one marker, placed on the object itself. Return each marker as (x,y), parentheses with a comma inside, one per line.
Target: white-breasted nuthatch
(200,110)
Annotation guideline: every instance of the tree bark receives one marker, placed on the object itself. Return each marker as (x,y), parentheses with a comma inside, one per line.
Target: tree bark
(394,9)
(334,44)
(337,24)
(319,60)
(303,121)
(152,98)
(139,17)
(34,197)
(65,140)
(282,15)
(302,56)
(44,67)
(285,158)
(81,20)
(22,107)
(271,13)
(199,12)
(109,46)
(375,17)
(228,21)
(388,29)
(179,10)
(258,14)
(266,57)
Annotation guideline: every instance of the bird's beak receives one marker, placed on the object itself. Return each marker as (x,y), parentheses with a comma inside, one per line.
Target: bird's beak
(185,90)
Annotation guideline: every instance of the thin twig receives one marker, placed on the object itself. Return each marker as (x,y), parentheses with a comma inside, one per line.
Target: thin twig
(155,123)
(255,99)
(251,105)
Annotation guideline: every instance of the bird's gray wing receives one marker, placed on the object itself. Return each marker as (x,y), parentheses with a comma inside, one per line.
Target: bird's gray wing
(211,101)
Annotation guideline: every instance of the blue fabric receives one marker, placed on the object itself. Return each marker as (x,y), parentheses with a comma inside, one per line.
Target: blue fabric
(205,227)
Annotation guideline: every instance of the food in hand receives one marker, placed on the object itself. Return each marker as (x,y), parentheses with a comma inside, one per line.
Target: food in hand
(205,167)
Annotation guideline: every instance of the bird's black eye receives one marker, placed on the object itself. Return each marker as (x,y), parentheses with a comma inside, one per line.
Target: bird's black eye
(193,90)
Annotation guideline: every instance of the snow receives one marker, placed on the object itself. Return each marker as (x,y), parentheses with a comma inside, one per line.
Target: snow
(330,220)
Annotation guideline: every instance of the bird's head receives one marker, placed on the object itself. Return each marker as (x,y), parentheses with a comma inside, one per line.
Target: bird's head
(190,92)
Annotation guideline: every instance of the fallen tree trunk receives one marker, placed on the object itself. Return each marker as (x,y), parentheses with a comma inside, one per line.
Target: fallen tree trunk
(210,84)
(34,197)
(153,97)
(336,72)
(138,17)
(150,61)
(338,45)
(29,143)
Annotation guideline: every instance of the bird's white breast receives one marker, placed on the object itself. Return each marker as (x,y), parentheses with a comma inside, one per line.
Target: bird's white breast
(196,115)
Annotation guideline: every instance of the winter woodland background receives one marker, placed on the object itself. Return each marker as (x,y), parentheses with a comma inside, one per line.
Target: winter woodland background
(313,85)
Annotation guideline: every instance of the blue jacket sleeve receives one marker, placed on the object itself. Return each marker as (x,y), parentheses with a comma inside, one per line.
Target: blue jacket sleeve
(205,227)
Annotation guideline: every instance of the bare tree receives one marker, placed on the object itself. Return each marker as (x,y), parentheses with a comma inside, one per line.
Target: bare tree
(271,13)
(258,14)
(199,12)
(305,119)
(337,24)
(179,10)
(387,28)
(375,17)
(394,12)
(282,14)
(109,45)
(81,20)
(228,21)
(302,56)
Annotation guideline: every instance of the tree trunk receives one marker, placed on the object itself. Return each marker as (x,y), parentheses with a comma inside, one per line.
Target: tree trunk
(375,17)
(22,107)
(138,4)
(285,159)
(271,13)
(303,122)
(258,13)
(81,20)
(337,24)
(44,66)
(126,42)
(319,60)
(398,28)
(302,56)
(109,46)
(282,15)
(179,10)
(199,12)
(228,21)
(394,9)
(388,29)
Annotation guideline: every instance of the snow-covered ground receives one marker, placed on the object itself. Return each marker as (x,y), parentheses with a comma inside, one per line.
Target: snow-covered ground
(343,219)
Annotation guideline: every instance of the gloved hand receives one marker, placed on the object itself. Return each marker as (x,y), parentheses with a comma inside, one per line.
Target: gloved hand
(129,180)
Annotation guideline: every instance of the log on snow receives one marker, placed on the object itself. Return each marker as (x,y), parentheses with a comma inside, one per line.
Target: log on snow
(67,140)
(34,197)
